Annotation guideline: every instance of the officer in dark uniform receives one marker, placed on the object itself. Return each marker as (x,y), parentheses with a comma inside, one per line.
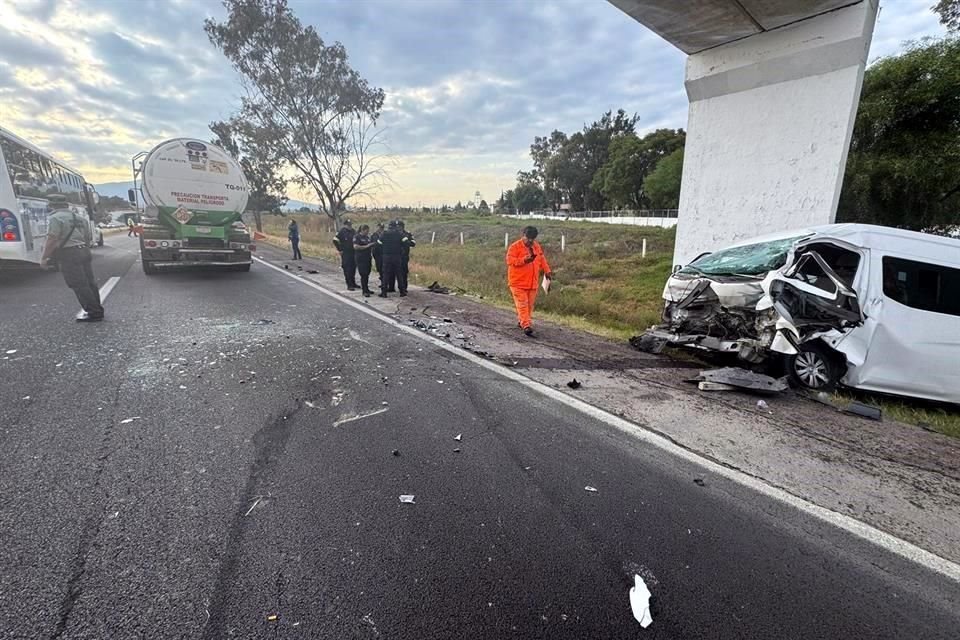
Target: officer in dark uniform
(69,239)
(362,248)
(377,249)
(391,241)
(344,244)
(408,243)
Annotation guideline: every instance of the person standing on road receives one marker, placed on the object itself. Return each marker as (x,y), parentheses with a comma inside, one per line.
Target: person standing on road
(344,244)
(362,249)
(378,250)
(68,241)
(131,230)
(408,243)
(525,262)
(293,234)
(392,244)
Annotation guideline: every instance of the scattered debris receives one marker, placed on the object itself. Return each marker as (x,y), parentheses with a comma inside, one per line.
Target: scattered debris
(437,288)
(182,387)
(129,420)
(407,499)
(253,506)
(10,352)
(458,437)
(457,450)
(705,385)
(439,381)
(272,617)
(262,321)
(762,405)
(312,271)
(309,404)
(574,384)
(361,416)
(743,379)
(700,482)
(26,397)
(396,452)
(590,489)
(648,343)
(640,602)
(287,267)
(864,410)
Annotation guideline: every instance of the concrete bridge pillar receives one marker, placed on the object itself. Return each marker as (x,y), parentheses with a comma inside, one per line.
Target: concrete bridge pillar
(773,89)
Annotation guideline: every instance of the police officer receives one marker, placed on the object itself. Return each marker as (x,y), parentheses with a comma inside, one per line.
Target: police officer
(348,262)
(362,248)
(408,243)
(392,244)
(68,241)
(377,249)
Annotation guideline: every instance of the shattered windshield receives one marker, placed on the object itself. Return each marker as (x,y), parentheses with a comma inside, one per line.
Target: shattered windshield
(747,260)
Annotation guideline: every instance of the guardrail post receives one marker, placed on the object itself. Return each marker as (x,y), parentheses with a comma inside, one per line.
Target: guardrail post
(643,248)
(433,236)
(563,243)
(461,238)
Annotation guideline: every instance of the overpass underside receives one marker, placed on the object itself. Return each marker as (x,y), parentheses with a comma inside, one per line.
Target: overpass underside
(773,88)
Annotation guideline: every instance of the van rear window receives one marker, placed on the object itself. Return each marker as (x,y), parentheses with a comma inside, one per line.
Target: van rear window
(921,285)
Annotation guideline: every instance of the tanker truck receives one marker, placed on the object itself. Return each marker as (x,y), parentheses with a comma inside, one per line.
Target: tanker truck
(193,196)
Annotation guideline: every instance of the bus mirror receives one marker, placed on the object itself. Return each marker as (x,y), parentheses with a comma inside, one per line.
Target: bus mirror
(132,197)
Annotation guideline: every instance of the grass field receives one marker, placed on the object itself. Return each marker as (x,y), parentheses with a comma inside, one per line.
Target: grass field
(600,284)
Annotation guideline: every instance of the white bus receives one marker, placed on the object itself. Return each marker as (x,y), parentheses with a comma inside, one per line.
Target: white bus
(28,176)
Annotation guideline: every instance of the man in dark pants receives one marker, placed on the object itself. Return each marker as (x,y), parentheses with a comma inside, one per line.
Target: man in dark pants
(408,243)
(378,250)
(68,240)
(392,243)
(344,244)
(362,246)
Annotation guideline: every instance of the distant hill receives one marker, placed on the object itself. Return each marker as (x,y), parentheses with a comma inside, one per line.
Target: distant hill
(119,190)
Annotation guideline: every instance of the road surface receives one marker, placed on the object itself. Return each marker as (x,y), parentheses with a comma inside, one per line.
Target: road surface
(224,455)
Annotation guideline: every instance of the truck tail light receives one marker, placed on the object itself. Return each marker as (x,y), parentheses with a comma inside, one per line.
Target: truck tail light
(150,243)
(252,247)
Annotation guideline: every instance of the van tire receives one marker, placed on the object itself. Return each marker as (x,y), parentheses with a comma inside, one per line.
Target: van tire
(815,367)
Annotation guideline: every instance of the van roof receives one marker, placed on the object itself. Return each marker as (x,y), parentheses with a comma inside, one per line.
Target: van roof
(926,246)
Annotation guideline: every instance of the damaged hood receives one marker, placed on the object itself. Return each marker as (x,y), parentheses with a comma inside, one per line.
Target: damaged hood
(726,292)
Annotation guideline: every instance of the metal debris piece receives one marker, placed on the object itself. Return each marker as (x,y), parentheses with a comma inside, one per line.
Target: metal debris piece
(704,385)
(648,343)
(574,384)
(864,410)
(640,602)
(129,420)
(590,489)
(458,437)
(407,499)
(744,379)
(699,482)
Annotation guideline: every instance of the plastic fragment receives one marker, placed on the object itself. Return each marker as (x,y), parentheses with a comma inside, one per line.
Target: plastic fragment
(574,384)
(590,489)
(272,617)
(407,499)
(762,405)
(129,420)
(640,602)
(458,437)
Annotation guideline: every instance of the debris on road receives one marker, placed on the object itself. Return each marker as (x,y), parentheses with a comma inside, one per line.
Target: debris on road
(590,489)
(640,602)
(407,499)
(253,506)
(312,271)
(437,288)
(705,385)
(574,384)
(699,482)
(458,437)
(396,452)
(762,405)
(10,352)
(360,416)
(741,380)
(457,450)
(272,617)
(864,410)
(648,343)
(263,321)
(309,404)
(129,420)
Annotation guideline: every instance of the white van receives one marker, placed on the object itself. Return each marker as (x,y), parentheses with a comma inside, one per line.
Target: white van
(870,307)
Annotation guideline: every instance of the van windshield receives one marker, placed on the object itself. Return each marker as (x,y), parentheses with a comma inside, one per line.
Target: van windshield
(747,260)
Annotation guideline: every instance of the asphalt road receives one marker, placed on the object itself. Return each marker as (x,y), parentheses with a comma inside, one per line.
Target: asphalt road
(194,467)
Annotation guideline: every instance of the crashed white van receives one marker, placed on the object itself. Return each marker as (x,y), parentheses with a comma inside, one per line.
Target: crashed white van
(870,307)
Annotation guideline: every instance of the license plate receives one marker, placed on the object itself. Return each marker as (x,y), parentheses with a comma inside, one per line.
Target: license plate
(203,229)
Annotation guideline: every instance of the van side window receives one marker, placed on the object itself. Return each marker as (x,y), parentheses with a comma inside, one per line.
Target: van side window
(922,285)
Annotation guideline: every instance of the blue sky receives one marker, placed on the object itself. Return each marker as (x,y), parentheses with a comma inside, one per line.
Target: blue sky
(469,83)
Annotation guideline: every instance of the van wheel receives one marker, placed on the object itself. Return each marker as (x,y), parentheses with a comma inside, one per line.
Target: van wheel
(814,367)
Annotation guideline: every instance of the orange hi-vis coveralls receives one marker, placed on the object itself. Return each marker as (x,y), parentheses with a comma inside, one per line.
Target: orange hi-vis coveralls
(524,277)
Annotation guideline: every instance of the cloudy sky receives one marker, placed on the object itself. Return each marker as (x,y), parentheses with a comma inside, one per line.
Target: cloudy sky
(469,83)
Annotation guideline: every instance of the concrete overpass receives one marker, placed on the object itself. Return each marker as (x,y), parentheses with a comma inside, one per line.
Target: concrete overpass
(773,88)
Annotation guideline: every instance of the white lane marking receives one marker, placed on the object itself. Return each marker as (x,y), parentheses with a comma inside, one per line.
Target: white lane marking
(882,539)
(108,287)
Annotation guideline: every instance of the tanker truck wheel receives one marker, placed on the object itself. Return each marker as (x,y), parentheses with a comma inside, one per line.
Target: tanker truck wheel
(242,267)
(149,269)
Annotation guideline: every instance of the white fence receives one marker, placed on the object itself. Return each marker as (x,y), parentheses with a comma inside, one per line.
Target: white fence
(653,218)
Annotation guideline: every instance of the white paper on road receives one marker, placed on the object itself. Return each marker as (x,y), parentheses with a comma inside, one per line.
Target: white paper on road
(545,284)
(458,437)
(129,420)
(408,499)
(640,602)
(590,489)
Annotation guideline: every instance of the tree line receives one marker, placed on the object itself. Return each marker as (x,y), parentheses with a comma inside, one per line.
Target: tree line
(607,165)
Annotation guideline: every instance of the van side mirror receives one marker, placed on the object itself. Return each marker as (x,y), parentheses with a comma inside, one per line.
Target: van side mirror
(132,196)
(677,267)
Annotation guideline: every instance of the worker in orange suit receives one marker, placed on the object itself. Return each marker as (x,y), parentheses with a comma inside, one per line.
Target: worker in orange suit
(525,263)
